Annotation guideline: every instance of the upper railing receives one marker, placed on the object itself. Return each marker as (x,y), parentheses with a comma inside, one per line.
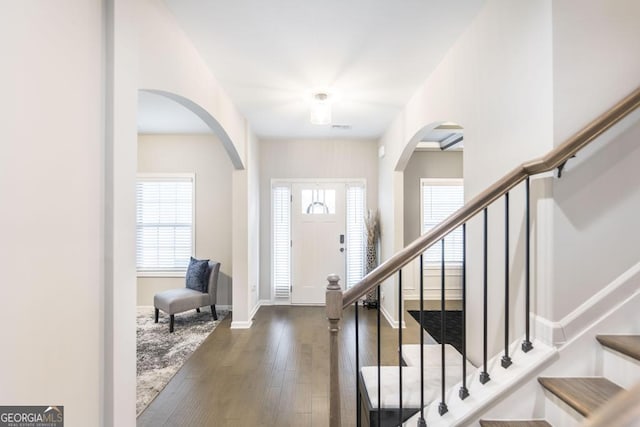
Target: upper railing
(554,159)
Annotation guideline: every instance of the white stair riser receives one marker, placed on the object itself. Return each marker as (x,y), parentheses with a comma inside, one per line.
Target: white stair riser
(559,414)
(619,368)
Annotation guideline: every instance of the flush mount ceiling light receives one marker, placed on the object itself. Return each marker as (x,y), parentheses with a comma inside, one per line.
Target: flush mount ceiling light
(320,109)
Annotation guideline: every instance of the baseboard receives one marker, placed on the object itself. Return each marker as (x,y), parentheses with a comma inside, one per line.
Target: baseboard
(393,323)
(241,325)
(557,333)
(223,307)
(434,294)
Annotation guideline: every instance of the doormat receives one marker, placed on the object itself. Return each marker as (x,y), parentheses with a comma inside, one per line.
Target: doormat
(431,322)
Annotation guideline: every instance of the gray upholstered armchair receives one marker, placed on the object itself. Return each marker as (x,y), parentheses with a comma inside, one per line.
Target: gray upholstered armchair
(175,301)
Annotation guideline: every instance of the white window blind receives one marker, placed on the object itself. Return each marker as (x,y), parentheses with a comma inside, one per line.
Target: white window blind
(441,198)
(281,214)
(164,223)
(355,234)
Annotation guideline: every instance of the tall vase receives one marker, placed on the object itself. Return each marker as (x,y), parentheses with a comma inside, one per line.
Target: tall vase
(371,300)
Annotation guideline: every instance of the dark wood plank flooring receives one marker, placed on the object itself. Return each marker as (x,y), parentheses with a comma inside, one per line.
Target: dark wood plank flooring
(276,373)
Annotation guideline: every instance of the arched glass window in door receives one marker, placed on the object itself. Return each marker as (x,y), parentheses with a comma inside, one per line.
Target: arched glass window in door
(318,201)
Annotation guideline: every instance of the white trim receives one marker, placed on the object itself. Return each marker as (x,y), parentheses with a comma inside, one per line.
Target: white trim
(393,323)
(433,271)
(236,324)
(463,412)
(570,326)
(434,294)
(290,181)
(161,273)
(254,311)
(224,307)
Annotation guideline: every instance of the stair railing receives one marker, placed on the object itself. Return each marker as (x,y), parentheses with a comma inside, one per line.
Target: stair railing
(337,300)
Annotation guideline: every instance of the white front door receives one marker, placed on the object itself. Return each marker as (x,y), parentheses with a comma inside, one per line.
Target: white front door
(318,239)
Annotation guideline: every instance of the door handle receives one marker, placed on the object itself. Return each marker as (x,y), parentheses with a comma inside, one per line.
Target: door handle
(341,249)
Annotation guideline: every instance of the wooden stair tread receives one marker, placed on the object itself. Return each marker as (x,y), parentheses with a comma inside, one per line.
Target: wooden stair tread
(585,395)
(531,423)
(625,344)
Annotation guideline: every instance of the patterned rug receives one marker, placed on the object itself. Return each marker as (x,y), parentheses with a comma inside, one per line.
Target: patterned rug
(160,354)
(431,322)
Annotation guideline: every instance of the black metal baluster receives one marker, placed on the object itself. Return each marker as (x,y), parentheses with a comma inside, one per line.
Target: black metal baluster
(484,375)
(421,421)
(400,345)
(506,360)
(379,380)
(526,344)
(442,408)
(358,401)
(464,392)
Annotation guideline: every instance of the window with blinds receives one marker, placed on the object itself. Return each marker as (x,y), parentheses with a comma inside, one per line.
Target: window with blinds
(355,196)
(281,256)
(441,198)
(164,223)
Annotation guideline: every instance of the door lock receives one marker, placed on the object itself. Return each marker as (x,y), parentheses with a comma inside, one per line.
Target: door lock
(342,239)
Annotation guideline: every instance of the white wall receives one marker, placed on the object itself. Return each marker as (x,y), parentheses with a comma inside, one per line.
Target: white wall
(596,63)
(204,156)
(427,164)
(287,159)
(496,82)
(245,245)
(253,220)
(170,63)
(52,197)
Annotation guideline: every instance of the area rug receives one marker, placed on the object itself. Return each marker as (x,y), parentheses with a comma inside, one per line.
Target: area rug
(160,354)
(431,322)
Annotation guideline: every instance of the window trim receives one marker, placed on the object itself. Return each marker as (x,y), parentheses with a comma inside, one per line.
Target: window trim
(169,176)
(433,269)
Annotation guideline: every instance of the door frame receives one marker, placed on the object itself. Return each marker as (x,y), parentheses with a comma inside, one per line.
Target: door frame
(289,182)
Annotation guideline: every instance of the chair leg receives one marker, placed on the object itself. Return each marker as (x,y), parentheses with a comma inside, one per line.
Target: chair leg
(157,312)
(213,312)
(197,310)
(171,321)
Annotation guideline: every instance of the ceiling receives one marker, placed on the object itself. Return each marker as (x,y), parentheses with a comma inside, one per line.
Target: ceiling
(370,55)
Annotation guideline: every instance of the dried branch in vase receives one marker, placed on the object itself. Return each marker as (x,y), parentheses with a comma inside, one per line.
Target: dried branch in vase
(372,224)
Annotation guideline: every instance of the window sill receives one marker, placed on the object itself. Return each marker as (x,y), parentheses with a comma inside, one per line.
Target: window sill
(167,274)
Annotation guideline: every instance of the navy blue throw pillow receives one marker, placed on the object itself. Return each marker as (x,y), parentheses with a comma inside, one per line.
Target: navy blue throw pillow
(197,276)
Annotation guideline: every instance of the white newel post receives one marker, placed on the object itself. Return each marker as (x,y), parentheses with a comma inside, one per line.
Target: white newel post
(334,314)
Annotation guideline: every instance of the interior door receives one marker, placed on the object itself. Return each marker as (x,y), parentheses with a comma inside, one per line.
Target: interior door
(318,239)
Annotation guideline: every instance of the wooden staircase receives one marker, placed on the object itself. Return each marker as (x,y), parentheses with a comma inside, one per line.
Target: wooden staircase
(585,395)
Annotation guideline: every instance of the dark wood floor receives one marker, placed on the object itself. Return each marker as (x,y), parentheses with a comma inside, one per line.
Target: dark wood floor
(274,374)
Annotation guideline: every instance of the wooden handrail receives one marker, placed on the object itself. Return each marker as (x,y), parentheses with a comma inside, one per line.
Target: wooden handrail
(549,162)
